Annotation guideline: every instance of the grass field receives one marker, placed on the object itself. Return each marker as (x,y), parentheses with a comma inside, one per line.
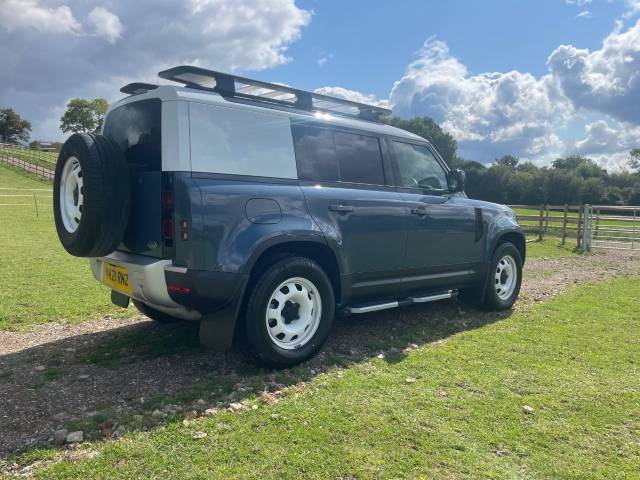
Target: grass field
(39,281)
(45,159)
(445,410)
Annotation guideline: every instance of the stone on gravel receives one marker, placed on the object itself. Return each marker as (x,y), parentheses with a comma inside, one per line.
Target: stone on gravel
(527,409)
(39,368)
(75,437)
(210,412)
(60,436)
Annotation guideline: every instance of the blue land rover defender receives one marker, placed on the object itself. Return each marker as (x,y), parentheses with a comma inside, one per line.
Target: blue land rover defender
(260,209)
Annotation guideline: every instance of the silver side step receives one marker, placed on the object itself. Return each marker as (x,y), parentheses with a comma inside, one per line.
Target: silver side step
(408,301)
(374,308)
(433,298)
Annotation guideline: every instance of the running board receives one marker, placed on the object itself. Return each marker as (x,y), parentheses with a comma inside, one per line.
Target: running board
(408,301)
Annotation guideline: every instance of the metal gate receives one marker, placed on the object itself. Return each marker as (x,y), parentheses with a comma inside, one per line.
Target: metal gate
(611,227)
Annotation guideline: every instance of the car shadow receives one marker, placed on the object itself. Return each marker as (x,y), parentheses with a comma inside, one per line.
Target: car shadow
(144,375)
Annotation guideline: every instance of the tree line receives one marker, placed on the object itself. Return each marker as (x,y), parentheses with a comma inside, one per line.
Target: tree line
(573,180)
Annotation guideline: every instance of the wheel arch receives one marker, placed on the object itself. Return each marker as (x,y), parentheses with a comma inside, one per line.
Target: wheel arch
(313,247)
(514,236)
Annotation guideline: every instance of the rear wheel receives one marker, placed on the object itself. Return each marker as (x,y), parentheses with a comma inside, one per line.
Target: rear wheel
(154,314)
(289,312)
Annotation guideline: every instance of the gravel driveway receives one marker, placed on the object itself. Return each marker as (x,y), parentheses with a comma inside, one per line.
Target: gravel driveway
(107,376)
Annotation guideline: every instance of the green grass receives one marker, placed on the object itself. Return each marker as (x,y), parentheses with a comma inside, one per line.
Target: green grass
(574,360)
(39,280)
(550,247)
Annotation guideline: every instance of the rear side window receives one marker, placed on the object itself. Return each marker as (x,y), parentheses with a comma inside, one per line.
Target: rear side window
(323,154)
(240,142)
(359,158)
(136,128)
(315,153)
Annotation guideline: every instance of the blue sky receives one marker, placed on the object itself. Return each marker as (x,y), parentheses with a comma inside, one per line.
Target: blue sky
(538,78)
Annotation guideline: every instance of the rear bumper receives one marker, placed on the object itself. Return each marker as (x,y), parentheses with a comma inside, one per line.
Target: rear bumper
(149,277)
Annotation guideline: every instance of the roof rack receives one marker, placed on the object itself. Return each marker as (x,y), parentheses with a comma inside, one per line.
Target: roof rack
(240,87)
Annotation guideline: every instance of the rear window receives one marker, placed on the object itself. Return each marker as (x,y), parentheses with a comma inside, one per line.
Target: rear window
(136,128)
(323,154)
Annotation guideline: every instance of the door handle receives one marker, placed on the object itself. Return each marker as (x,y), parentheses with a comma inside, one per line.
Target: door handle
(420,211)
(341,208)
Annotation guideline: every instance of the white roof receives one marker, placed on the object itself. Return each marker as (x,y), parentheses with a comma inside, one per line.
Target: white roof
(168,93)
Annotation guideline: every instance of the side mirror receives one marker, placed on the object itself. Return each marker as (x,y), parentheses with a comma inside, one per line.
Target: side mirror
(456,179)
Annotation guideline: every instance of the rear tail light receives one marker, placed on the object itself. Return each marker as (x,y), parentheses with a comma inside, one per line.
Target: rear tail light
(167,229)
(167,200)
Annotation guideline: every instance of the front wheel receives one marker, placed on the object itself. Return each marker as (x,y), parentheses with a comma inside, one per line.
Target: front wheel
(505,278)
(289,312)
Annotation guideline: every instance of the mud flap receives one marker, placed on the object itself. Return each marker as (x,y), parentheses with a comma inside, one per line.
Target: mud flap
(217,328)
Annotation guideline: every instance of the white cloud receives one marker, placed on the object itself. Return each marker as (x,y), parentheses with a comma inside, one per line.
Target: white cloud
(352,95)
(324,59)
(580,3)
(602,138)
(584,14)
(41,72)
(605,80)
(105,23)
(20,14)
(490,113)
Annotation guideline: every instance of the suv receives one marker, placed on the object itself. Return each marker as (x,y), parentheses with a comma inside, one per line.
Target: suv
(263,210)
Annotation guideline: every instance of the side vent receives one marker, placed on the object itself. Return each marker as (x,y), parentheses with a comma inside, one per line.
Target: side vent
(479,224)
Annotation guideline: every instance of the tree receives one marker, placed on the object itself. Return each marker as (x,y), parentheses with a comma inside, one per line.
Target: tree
(634,161)
(508,161)
(83,115)
(13,128)
(444,143)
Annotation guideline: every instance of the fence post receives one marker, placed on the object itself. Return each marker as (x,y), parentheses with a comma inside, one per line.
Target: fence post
(35,200)
(541,223)
(579,237)
(564,223)
(586,241)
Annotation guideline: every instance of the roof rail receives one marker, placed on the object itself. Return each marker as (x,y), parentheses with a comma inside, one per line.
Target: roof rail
(241,87)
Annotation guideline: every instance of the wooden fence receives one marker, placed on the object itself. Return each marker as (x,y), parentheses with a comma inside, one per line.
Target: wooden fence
(564,221)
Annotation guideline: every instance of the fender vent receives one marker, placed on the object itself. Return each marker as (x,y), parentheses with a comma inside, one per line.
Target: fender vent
(479,224)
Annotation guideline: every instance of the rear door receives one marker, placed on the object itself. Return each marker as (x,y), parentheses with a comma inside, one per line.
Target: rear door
(443,241)
(342,175)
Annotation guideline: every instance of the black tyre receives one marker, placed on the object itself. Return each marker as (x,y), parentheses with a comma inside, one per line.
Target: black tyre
(289,312)
(154,314)
(504,279)
(91,195)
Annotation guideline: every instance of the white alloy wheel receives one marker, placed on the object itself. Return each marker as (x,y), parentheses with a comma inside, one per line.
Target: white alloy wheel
(293,313)
(71,194)
(506,277)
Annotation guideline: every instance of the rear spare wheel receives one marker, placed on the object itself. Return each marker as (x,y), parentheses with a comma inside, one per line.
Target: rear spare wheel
(91,194)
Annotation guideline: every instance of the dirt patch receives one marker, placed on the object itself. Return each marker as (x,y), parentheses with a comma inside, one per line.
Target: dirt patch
(107,376)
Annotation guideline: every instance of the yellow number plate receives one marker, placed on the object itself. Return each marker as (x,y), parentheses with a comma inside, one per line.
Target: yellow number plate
(116,277)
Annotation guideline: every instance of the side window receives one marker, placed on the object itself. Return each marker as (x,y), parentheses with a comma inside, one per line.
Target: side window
(240,142)
(359,158)
(315,153)
(418,167)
